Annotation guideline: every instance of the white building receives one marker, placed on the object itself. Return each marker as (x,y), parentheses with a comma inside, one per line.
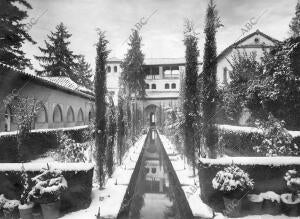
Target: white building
(257,42)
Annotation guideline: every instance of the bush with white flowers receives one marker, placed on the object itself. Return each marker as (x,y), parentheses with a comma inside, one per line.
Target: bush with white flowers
(232,180)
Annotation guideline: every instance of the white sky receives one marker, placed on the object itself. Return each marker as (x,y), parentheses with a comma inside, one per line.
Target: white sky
(163,33)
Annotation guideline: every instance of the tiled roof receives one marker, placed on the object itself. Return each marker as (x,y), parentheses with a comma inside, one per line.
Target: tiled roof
(245,38)
(62,83)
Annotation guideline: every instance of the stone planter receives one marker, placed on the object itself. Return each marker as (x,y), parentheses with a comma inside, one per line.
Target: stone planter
(289,207)
(26,211)
(50,210)
(233,207)
(11,214)
(254,204)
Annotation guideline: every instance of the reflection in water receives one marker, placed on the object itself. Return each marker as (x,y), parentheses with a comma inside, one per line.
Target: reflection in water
(152,195)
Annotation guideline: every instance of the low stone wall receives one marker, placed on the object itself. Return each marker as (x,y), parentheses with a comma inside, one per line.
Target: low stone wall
(79,177)
(267,173)
(38,142)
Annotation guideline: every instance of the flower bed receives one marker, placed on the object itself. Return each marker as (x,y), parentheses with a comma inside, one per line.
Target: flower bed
(39,142)
(267,173)
(78,175)
(241,140)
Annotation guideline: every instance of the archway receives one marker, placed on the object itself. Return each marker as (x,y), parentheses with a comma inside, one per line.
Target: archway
(8,119)
(151,115)
(152,119)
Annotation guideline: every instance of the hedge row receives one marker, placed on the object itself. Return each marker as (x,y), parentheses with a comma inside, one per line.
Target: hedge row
(79,177)
(267,173)
(38,142)
(241,140)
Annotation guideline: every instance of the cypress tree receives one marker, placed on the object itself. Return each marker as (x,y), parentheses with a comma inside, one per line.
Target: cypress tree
(100,94)
(83,72)
(295,23)
(57,58)
(121,123)
(209,91)
(190,102)
(13,33)
(111,132)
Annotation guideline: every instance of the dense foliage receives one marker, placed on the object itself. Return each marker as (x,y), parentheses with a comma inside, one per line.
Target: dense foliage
(82,72)
(276,88)
(24,110)
(209,84)
(245,67)
(100,102)
(190,101)
(277,141)
(295,23)
(13,33)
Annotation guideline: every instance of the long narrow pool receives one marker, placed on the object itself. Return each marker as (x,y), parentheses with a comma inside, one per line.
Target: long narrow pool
(154,191)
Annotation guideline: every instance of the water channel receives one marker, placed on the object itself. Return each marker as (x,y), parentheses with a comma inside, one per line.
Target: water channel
(154,191)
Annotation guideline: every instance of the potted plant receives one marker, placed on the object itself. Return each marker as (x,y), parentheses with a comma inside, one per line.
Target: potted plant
(10,209)
(2,202)
(234,183)
(254,204)
(271,203)
(47,189)
(26,206)
(291,201)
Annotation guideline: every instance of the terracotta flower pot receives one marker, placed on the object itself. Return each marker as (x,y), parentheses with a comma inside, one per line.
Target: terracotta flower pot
(254,204)
(26,211)
(50,210)
(8,214)
(233,207)
(289,207)
(271,207)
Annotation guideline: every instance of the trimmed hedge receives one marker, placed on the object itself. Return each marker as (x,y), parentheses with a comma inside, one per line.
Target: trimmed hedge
(267,173)
(241,140)
(38,142)
(79,177)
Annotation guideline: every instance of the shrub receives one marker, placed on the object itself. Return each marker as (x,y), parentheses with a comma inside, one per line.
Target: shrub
(48,186)
(232,180)
(292,178)
(27,186)
(70,151)
(277,141)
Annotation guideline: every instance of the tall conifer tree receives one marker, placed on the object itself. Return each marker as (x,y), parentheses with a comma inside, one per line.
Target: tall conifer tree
(100,94)
(209,91)
(13,33)
(190,103)
(295,23)
(57,58)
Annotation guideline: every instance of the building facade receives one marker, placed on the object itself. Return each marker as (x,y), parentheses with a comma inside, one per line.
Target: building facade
(256,42)
(64,103)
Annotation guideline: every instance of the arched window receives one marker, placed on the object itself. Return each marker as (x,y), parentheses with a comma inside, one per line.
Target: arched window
(42,115)
(70,115)
(147,86)
(115,69)
(153,86)
(8,119)
(173,86)
(57,114)
(167,86)
(108,69)
(80,116)
(225,75)
(90,116)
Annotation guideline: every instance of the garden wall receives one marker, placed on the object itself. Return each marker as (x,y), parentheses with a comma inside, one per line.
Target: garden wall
(79,177)
(267,173)
(241,140)
(39,142)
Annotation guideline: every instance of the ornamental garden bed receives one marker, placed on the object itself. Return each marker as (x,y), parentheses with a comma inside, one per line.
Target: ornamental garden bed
(78,177)
(271,184)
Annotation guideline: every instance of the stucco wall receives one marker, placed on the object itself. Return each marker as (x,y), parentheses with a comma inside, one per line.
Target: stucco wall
(49,96)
